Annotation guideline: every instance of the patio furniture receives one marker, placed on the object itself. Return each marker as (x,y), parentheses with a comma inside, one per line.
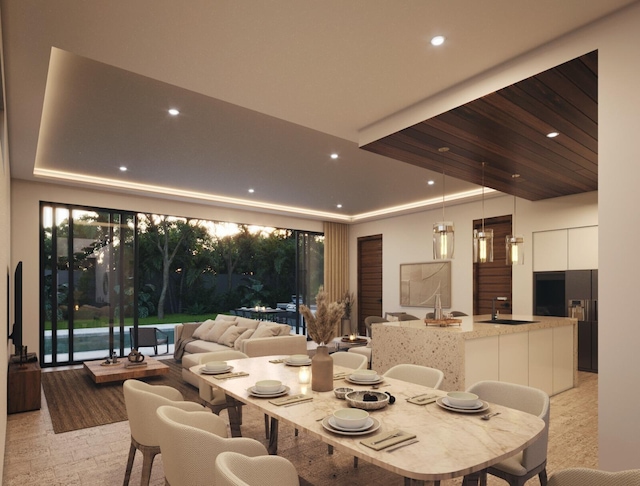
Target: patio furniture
(149,337)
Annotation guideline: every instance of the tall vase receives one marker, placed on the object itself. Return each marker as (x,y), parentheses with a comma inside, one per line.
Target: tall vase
(346,327)
(322,370)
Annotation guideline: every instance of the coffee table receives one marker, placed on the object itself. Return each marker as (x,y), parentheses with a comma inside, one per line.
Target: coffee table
(119,372)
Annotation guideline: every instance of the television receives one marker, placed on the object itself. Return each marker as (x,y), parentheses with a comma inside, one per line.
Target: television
(16,333)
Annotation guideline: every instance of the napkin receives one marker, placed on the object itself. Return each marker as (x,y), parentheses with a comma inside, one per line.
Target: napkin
(226,376)
(281,360)
(340,375)
(423,399)
(291,399)
(382,441)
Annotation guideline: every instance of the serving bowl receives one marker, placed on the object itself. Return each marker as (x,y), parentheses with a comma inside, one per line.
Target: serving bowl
(299,358)
(341,392)
(268,386)
(367,399)
(216,366)
(462,399)
(350,418)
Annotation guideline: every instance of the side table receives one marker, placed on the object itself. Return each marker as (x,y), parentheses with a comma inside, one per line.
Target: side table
(23,387)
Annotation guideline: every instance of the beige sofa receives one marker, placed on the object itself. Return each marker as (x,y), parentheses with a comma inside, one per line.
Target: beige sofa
(253,338)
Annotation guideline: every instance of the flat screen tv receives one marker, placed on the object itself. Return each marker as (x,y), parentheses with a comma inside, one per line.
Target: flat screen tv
(16,333)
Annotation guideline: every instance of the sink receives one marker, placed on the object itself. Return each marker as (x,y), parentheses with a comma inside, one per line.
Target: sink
(507,321)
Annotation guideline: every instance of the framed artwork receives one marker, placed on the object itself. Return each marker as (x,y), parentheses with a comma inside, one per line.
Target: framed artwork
(421,282)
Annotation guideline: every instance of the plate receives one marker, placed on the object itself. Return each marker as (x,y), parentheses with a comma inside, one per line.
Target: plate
(254,393)
(370,382)
(373,428)
(367,425)
(205,371)
(291,363)
(485,406)
(476,406)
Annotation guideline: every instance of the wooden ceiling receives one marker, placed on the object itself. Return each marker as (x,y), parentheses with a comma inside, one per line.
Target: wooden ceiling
(507,131)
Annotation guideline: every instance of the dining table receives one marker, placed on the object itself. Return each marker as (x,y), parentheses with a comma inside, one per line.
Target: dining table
(427,441)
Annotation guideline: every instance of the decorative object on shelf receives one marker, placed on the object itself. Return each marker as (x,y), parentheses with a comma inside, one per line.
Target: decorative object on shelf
(443,234)
(482,240)
(515,243)
(322,328)
(437,308)
(443,322)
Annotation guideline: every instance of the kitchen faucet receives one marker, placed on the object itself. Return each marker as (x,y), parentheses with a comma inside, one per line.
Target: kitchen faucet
(494,315)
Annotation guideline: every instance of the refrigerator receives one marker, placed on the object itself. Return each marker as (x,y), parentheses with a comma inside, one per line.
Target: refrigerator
(581,290)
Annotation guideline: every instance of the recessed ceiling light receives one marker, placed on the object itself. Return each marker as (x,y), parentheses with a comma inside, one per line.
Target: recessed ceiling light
(339,206)
(123,168)
(437,40)
(431,183)
(173,112)
(334,156)
(251,191)
(552,134)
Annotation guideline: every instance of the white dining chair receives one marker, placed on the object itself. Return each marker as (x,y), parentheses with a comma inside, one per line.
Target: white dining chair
(418,374)
(233,469)
(350,360)
(579,476)
(518,469)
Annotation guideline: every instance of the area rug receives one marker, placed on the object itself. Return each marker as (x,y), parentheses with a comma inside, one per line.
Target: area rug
(76,402)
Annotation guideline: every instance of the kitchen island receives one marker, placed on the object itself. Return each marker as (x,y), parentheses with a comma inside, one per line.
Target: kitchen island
(542,354)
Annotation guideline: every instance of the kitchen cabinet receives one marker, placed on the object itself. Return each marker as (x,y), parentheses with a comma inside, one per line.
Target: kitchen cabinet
(563,362)
(582,248)
(482,360)
(514,358)
(565,249)
(541,359)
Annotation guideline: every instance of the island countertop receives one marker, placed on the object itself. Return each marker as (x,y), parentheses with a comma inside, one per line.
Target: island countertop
(474,350)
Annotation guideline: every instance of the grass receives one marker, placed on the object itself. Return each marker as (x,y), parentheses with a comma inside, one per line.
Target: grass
(146,321)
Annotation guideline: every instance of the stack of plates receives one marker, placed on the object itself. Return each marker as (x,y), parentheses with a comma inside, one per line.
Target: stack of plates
(370,426)
(297,360)
(283,391)
(219,371)
(479,406)
(365,380)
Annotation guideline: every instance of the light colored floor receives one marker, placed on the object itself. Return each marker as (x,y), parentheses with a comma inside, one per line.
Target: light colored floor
(97,456)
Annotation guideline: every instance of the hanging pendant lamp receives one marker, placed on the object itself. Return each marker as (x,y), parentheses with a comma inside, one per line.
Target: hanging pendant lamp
(482,240)
(515,243)
(443,235)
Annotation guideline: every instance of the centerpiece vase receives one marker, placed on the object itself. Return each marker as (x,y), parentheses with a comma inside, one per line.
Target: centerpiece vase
(322,370)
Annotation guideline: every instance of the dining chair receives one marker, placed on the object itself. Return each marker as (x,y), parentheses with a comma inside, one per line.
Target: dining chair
(579,476)
(370,320)
(407,317)
(233,469)
(350,360)
(149,337)
(141,402)
(518,469)
(418,374)
(190,443)
(210,396)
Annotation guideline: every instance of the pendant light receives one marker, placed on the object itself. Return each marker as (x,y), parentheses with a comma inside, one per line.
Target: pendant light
(482,240)
(443,234)
(515,243)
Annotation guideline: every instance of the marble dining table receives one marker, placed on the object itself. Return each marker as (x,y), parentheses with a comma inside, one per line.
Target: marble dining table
(449,444)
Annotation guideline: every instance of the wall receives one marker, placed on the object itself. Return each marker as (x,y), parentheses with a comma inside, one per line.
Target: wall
(5,265)
(25,205)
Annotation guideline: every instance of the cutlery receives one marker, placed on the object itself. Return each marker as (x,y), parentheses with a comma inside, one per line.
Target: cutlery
(375,387)
(406,443)
(298,402)
(489,415)
(392,436)
(428,395)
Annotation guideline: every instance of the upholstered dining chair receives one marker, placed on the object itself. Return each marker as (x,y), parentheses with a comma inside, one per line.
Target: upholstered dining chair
(233,469)
(190,443)
(350,360)
(518,469)
(141,401)
(579,476)
(418,374)
(370,320)
(210,396)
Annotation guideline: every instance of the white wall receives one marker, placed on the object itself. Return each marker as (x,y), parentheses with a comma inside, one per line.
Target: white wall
(5,265)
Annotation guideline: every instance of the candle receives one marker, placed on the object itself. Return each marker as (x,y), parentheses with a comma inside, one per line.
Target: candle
(352,337)
(304,374)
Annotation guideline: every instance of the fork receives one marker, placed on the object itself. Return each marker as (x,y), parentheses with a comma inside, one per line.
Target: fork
(392,436)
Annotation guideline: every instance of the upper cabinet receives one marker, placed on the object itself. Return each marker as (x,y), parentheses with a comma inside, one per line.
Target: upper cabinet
(566,249)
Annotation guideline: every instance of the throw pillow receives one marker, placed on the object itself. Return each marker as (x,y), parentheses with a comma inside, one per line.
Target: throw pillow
(203,329)
(392,318)
(266,331)
(243,337)
(225,317)
(218,330)
(229,337)
(246,322)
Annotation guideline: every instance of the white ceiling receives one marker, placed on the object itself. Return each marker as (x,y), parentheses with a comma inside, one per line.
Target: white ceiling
(267,90)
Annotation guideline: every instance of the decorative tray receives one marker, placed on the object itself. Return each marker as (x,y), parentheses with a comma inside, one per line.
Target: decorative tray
(443,322)
(359,340)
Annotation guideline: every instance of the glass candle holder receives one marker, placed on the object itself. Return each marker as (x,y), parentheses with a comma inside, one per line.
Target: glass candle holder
(304,375)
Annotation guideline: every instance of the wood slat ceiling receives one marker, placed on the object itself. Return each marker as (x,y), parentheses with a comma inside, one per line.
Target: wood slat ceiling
(507,131)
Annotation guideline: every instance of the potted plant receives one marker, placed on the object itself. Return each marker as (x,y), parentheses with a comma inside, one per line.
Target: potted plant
(347,300)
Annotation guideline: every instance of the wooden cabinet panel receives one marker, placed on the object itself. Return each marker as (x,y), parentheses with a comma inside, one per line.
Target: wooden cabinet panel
(541,360)
(481,360)
(23,387)
(514,358)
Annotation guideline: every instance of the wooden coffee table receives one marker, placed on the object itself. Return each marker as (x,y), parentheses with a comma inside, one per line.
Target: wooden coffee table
(119,372)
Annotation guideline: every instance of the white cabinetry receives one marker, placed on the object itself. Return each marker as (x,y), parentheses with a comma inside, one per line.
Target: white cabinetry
(481,360)
(563,353)
(541,359)
(514,358)
(565,249)
(582,244)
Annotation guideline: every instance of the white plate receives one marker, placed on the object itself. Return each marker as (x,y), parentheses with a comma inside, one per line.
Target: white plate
(374,382)
(205,371)
(283,391)
(297,363)
(485,406)
(475,406)
(373,428)
(365,380)
(367,425)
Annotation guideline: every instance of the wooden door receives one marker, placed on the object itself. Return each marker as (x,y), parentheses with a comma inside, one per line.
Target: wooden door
(369,279)
(493,279)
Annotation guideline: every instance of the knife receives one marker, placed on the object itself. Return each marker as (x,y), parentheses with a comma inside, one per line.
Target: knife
(402,444)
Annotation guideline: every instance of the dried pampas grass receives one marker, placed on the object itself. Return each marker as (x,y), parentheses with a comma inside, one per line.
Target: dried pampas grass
(323,327)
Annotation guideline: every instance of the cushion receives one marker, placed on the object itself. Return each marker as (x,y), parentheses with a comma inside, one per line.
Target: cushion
(266,331)
(225,317)
(246,322)
(283,329)
(230,335)
(393,318)
(243,337)
(218,330)
(203,329)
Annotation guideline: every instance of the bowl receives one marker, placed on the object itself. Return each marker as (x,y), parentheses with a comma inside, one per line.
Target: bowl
(268,386)
(341,392)
(364,375)
(367,399)
(299,358)
(350,418)
(462,399)
(216,366)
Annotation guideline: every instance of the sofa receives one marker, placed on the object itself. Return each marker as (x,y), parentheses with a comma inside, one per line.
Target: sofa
(201,340)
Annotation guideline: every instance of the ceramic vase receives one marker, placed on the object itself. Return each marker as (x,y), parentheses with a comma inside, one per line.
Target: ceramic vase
(322,370)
